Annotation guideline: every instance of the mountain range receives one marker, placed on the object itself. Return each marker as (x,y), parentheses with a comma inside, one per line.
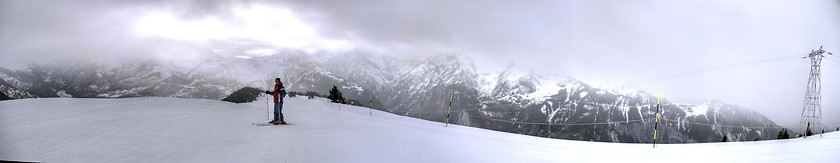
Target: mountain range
(524,103)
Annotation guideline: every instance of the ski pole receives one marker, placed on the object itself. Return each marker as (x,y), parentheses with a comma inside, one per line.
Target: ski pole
(266,108)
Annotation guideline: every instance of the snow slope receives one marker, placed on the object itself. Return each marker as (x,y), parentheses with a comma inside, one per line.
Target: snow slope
(198,130)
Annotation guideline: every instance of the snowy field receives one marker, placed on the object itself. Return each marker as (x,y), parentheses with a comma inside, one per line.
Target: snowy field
(197,130)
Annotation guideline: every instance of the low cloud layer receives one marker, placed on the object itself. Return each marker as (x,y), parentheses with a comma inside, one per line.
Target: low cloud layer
(600,42)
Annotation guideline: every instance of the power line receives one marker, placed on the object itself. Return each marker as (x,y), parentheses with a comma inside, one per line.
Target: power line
(721,126)
(675,76)
(625,106)
(832,64)
(624,122)
(605,123)
(718,69)
(563,124)
(605,105)
(833,61)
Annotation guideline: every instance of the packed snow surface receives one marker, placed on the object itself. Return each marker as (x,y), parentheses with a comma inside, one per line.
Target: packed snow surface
(197,130)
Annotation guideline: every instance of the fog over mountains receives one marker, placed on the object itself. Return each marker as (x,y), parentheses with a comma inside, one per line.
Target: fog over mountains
(604,44)
(511,101)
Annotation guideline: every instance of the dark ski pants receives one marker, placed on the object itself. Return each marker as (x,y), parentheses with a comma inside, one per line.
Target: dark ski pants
(278,111)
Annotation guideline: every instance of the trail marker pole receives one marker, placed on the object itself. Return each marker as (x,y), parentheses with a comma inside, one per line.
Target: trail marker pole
(448,108)
(656,126)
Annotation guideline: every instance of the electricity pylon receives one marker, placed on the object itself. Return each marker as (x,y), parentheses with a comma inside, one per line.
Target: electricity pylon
(812,109)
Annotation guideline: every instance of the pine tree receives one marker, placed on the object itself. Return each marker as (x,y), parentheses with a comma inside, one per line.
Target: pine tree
(311,94)
(335,96)
(838,128)
(787,135)
(725,139)
(783,134)
(756,138)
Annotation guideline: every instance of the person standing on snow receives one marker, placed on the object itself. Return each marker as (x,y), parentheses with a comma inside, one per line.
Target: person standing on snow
(279,92)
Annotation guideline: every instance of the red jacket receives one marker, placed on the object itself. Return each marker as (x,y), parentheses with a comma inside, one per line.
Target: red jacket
(279,90)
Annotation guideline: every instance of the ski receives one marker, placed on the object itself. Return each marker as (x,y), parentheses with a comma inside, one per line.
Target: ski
(269,124)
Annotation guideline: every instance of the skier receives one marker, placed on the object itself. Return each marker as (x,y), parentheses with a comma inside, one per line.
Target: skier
(279,92)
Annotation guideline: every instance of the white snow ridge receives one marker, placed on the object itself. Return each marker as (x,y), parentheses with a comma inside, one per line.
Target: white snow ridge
(197,130)
(699,110)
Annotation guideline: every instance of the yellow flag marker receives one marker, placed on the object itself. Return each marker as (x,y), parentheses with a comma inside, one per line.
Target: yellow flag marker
(448,108)
(656,126)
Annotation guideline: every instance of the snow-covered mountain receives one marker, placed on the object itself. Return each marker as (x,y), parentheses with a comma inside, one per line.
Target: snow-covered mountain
(128,80)
(575,110)
(525,103)
(200,130)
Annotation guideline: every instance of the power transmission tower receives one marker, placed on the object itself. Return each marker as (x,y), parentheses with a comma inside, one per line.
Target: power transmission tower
(812,110)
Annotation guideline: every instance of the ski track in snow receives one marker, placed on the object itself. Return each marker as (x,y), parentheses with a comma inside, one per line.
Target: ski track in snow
(198,130)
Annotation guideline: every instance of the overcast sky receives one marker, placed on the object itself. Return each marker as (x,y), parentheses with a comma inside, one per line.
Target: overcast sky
(636,42)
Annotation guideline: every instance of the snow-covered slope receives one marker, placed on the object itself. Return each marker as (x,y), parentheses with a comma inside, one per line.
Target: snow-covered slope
(417,88)
(198,130)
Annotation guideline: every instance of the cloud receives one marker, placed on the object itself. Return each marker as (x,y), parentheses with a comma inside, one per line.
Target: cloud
(600,42)
(130,30)
(611,42)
